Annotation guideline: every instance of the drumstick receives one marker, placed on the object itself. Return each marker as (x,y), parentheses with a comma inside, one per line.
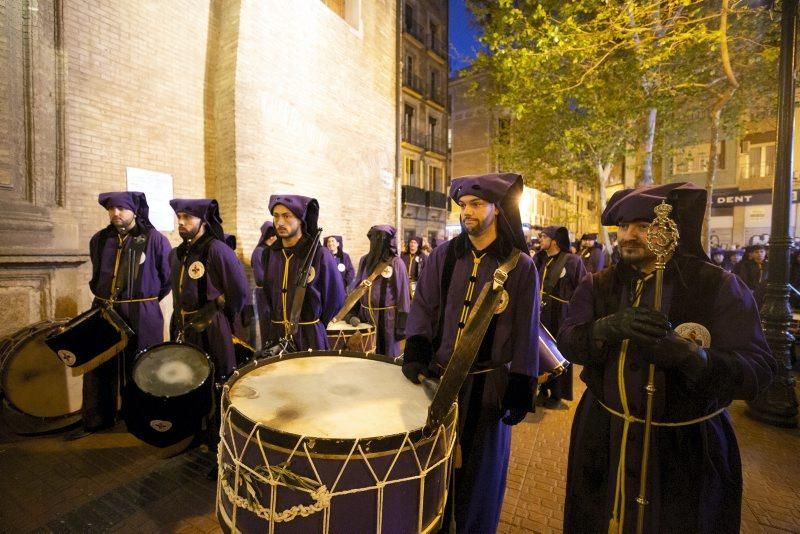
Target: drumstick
(429,385)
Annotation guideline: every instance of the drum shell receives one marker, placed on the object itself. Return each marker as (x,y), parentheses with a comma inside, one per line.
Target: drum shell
(551,362)
(353,339)
(354,512)
(89,336)
(30,407)
(185,412)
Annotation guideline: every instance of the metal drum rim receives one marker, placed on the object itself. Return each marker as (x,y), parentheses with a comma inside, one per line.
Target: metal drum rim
(323,448)
(142,352)
(13,343)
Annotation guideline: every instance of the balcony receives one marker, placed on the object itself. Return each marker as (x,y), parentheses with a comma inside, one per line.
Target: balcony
(414,82)
(436,144)
(438,95)
(414,137)
(413,195)
(437,200)
(414,28)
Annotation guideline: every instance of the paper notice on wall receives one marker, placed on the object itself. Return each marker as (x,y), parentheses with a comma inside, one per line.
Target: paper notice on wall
(157,186)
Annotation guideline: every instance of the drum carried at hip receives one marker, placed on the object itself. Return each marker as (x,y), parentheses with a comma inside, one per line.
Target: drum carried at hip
(551,362)
(349,337)
(90,339)
(330,442)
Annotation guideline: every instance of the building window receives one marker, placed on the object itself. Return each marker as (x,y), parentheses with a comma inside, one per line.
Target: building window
(408,122)
(759,162)
(349,10)
(434,84)
(434,33)
(408,17)
(408,70)
(410,172)
(694,159)
(432,122)
(435,181)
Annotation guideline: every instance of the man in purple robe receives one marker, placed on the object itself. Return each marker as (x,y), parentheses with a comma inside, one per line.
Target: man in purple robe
(209,285)
(268,237)
(386,303)
(708,349)
(295,219)
(414,261)
(591,252)
(560,273)
(344,265)
(130,271)
(498,392)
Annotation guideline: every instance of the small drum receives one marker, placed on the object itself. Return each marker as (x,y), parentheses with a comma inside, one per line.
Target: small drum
(171,393)
(330,442)
(90,339)
(344,336)
(41,395)
(551,362)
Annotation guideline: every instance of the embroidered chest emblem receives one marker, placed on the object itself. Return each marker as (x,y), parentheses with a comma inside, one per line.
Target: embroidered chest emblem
(387,272)
(197,270)
(695,332)
(67,357)
(341,267)
(142,258)
(312,274)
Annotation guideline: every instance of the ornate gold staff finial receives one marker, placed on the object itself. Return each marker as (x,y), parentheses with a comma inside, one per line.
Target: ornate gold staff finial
(662,234)
(662,240)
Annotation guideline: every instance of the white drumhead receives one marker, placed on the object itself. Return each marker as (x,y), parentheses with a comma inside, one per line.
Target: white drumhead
(331,397)
(171,370)
(341,325)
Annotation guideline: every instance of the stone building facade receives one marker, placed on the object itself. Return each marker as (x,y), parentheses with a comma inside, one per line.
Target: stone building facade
(232,99)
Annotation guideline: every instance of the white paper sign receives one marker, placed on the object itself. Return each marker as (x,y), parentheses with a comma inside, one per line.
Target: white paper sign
(157,186)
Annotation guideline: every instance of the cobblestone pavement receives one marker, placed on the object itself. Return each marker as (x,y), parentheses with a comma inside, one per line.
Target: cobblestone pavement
(111,482)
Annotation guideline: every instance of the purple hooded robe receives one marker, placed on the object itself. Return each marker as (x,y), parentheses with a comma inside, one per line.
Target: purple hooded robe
(694,477)
(111,255)
(202,271)
(325,292)
(509,348)
(257,264)
(343,262)
(387,301)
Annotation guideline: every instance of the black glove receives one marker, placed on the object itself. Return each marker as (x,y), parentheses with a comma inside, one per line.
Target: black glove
(417,358)
(676,352)
(643,326)
(400,325)
(518,400)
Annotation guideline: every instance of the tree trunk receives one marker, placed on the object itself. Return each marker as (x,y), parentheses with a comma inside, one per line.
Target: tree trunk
(647,167)
(603,172)
(713,161)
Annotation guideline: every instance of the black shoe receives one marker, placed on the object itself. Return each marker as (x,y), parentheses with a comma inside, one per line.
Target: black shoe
(77,433)
(554,404)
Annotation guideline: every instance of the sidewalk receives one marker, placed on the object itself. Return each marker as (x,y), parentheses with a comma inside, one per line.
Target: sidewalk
(111,482)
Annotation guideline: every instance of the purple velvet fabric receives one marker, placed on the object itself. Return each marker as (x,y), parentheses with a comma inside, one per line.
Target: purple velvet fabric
(391,293)
(509,346)
(206,209)
(257,264)
(222,274)
(131,200)
(323,298)
(695,479)
(145,318)
(343,262)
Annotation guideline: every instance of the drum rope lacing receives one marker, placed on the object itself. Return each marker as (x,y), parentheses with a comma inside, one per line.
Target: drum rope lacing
(280,475)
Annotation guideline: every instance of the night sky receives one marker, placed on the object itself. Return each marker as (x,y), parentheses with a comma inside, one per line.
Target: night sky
(463,36)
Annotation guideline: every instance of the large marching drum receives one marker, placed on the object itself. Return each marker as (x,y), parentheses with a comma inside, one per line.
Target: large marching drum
(353,338)
(330,442)
(40,394)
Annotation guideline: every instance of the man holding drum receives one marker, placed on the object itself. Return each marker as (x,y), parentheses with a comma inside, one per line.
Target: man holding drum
(209,285)
(498,391)
(295,220)
(561,272)
(131,272)
(707,348)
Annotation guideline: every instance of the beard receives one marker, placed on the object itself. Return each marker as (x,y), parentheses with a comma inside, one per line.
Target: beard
(479,228)
(188,235)
(121,225)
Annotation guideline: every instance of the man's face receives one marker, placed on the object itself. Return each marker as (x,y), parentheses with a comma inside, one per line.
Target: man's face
(286,224)
(736,258)
(633,248)
(718,258)
(120,218)
(412,246)
(477,215)
(759,255)
(188,225)
(545,242)
(332,244)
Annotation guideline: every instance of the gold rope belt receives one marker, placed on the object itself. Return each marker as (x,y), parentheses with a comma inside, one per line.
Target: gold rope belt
(287,323)
(632,419)
(126,301)
(370,308)
(555,298)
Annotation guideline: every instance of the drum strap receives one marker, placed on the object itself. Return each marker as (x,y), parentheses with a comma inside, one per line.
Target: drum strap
(359,291)
(467,348)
